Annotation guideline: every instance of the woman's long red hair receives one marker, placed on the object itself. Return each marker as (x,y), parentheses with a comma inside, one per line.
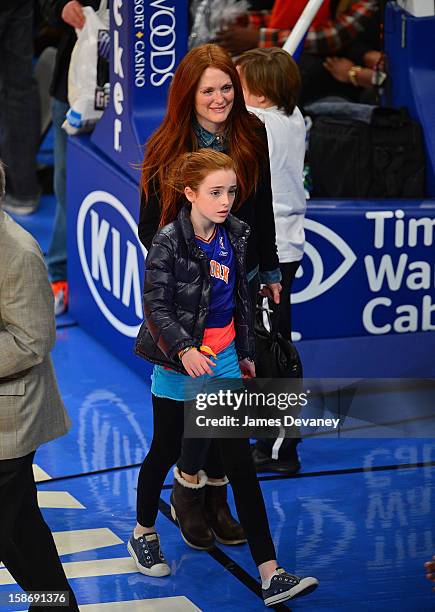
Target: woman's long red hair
(176,136)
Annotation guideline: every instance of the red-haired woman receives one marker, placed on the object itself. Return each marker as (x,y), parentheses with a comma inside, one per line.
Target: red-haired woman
(206,109)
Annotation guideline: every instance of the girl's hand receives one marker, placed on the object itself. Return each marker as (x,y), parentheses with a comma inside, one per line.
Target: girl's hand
(272,291)
(247,367)
(197,364)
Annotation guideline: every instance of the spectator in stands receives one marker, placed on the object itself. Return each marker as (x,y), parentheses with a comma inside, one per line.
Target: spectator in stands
(430,570)
(338,24)
(325,36)
(271,86)
(69,15)
(31,409)
(368,76)
(19,107)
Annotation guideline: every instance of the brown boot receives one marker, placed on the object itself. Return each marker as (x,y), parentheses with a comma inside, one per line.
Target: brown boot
(218,515)
(187,508)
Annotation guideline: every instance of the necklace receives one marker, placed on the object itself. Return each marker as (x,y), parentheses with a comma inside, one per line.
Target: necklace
(208,237)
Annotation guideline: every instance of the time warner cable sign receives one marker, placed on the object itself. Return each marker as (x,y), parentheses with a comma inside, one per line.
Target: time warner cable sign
(366,271)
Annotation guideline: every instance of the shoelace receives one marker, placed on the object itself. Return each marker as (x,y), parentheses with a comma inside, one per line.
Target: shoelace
(287,578)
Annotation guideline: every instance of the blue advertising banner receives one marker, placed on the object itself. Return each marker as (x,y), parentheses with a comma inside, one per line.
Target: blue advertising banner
(148,38)
(368,269)
(105,256)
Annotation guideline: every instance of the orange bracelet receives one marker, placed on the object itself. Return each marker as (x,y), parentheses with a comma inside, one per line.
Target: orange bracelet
(206,350)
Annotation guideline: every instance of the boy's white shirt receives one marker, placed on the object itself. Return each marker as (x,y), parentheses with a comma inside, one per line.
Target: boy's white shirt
(286,139)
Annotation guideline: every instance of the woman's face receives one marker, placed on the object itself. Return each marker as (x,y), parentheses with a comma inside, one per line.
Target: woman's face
(213,99)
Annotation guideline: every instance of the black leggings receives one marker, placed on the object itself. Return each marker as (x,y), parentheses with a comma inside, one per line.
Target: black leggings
(235,455)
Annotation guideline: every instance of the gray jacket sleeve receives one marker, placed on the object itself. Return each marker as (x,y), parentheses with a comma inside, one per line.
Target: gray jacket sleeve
(27,323)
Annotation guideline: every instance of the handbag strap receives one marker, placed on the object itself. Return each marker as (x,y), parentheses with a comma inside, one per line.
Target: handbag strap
(272,313)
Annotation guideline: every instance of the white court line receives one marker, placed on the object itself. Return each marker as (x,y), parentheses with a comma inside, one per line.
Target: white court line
(164,604)
(79,540)
(58,499)
(88,569)
(39,473)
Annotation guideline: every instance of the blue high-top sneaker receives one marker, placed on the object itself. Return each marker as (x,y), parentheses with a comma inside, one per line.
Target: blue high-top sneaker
(284,586)
(148,555)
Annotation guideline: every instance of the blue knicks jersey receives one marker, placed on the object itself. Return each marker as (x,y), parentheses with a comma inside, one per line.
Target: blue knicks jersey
(223,277)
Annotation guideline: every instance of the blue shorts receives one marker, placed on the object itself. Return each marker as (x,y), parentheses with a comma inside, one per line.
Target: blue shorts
(181,387)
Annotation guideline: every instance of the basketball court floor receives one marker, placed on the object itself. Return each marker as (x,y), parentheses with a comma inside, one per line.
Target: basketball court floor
(360,516)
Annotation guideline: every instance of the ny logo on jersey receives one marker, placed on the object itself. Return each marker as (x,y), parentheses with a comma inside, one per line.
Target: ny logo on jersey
(219,271)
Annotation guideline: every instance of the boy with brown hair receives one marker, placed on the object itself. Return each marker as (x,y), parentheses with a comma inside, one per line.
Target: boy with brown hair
(271,86)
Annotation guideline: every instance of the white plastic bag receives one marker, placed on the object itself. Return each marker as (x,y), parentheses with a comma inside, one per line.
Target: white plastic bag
(82,75)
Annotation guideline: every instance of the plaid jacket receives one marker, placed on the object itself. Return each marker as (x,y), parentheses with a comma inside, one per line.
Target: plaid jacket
(327,39)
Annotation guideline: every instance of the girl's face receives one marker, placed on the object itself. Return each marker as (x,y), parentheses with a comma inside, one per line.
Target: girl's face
(214,197)
(213,99)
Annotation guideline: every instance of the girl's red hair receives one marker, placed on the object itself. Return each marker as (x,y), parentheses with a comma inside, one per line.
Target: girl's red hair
(176,135)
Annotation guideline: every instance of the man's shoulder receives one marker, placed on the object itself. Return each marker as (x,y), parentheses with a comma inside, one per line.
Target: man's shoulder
(16,242)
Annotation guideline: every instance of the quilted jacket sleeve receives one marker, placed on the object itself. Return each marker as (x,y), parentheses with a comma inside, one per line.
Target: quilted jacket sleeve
(159,292)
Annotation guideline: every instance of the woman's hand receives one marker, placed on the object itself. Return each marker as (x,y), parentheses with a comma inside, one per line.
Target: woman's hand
(197,364)
(272,291)
(247,367)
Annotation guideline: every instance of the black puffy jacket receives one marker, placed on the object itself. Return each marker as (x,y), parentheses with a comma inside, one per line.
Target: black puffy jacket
(256,211)
(177,291)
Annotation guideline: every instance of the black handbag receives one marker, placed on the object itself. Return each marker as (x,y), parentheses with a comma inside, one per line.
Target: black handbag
(275,357)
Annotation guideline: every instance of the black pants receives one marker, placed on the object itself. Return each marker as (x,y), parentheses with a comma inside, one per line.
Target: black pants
(288,272)
(235,455)
(284,447)
(26,545)
(20,125)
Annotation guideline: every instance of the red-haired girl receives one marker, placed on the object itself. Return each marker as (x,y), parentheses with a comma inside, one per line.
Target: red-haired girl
(196,291)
